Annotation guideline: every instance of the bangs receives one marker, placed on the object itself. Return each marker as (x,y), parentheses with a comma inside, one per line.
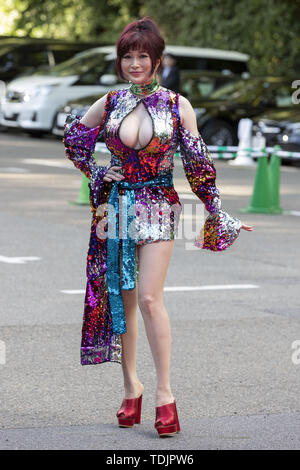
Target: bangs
(135,42)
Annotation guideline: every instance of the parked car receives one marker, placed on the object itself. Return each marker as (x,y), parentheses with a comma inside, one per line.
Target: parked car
(278,127)
(32,102)
(76,107)
(218,115)
(22,56)
(207,59)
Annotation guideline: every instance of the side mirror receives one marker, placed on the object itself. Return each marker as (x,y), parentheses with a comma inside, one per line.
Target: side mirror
(108,79)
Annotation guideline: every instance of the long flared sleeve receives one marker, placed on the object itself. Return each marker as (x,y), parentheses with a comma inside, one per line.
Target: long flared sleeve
(80,142)
(220,229)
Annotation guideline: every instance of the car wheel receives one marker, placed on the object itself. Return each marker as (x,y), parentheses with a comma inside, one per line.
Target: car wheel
(217,132)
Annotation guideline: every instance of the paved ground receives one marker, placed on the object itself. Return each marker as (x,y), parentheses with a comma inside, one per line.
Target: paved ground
(232,371)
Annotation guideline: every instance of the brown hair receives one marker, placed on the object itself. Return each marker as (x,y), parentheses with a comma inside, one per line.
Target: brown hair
(143,35)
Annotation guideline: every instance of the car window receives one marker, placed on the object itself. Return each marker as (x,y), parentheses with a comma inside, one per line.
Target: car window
(93,74)
(243,90)
(7,61)
(24,58)
(81,64)
(61,55)
(226,91)
(222,65)
(207,63)
(32,55)
(205,87)
(191,63)
(35,55)
(200,88)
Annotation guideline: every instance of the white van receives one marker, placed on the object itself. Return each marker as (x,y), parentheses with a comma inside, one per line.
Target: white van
(31,102)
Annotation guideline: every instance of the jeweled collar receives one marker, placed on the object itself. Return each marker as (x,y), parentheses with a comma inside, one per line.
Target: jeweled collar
(144,89)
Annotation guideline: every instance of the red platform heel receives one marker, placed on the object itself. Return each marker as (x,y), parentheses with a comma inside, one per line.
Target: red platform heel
(130,412)
(166,421)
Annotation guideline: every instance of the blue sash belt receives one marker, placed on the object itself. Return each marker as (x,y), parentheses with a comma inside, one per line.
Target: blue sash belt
(128,245)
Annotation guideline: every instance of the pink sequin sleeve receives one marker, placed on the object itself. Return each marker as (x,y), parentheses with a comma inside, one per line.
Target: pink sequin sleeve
(80,142)
(220,229)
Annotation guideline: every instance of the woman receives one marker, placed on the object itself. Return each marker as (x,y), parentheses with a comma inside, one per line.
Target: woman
(142,127)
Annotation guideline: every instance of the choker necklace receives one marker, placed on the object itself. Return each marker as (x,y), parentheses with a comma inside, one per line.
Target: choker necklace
(144,88)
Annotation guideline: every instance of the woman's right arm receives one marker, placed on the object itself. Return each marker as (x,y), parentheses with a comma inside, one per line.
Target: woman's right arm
(80,136)
(94,116)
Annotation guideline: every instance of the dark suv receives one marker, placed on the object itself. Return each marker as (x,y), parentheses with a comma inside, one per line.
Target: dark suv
(22,56)
(218,115)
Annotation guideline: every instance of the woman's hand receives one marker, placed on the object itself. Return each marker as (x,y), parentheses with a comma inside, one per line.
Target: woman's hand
(111,174)
(249,228)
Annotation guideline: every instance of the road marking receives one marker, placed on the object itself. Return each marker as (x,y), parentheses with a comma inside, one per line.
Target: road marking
(213,287)
(184,288)
(17,259)
(297,213)
(37,161)
(2,353)
(14,169)
(187,196)
(74,291)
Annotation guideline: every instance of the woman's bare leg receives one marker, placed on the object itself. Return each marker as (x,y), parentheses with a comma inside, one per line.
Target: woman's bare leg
(153,265)
(133,387)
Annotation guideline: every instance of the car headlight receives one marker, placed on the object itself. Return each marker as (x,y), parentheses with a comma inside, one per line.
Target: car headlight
(39,91)
(67,109)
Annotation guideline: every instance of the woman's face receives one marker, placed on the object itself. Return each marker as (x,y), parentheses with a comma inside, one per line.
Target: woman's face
(136,67)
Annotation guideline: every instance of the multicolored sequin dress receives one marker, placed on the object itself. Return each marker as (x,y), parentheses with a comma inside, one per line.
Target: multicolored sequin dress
(144,201)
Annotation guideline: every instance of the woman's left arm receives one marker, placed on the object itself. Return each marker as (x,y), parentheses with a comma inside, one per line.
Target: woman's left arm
(220,229)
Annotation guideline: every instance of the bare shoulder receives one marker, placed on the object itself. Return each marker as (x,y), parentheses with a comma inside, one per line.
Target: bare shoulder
(187,115)
(184,104)
(94,115)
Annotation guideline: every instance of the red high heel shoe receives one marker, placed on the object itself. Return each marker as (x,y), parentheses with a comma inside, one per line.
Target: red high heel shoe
(166,421)
(130,412)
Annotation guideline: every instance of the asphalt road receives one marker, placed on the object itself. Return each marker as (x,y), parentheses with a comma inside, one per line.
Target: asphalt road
(233,374)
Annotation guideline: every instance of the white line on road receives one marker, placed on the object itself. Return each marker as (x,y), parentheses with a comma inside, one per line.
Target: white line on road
(17,259)
(187,196)
(297,213)
(213,287)
(14,169)
(44,162)
(184,288)
(74,291)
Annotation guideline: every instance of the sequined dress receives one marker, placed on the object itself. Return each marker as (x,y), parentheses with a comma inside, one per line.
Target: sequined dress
(152,206)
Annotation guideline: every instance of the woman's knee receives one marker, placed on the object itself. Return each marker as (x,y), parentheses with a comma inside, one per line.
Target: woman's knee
(149,303)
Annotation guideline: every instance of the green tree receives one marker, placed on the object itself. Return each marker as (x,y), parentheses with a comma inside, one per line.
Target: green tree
(267,30)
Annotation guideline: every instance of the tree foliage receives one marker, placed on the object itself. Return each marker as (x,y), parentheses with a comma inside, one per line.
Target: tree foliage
(267,30)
